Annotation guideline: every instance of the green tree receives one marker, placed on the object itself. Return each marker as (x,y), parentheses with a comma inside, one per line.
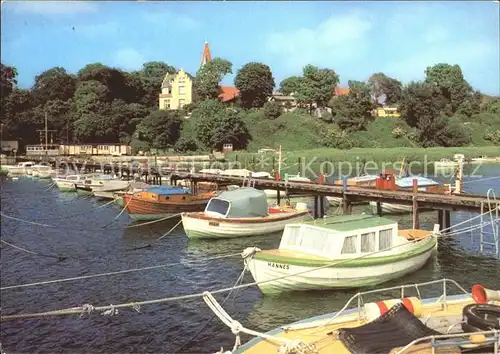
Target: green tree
(272,110)
(290,85)
(317,85)
(89,113)
(217,125)
(255,82)
(450,81)
(54,84)
(126,117)
(421,106)
(185,144)
(208,77)
(160,129)
(353,111)
(17,117)
(385,89)
(7,79)
(114,79)
(151,76)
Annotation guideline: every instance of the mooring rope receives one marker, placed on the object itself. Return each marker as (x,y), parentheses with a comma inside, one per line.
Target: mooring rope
(117,272)
(61,258)
(246,253)
(89,308)
(159,238)
(481,180)
(238,281)
(87,229)
(119,214)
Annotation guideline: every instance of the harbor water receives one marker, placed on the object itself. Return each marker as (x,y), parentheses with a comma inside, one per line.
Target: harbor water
(93,240)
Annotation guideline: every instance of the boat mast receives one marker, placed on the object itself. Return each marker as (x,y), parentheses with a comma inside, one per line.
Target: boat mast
(279,162)
(46,139)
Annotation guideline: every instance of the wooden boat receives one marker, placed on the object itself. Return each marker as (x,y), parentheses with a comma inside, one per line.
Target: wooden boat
(134,187)
(159,202)
(390,253)
(400,320)
(388,181)
(238,213)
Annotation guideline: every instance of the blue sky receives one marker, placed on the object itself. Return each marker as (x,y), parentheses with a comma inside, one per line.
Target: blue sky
(355,38)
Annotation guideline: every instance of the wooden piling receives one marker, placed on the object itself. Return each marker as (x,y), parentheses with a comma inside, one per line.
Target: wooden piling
(447,220)
(416,223)
(321,206)
(379,208)
(316,207)
(440,217)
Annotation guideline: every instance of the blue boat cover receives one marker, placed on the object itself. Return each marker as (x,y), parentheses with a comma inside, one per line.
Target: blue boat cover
(407,182)
(168,190)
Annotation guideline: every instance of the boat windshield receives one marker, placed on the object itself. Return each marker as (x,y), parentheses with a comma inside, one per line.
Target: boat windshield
(218,206)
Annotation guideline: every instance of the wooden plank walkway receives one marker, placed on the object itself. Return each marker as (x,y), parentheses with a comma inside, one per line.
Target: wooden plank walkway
(425,200)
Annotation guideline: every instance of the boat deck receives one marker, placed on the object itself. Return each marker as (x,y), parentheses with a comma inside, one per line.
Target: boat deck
(323,339)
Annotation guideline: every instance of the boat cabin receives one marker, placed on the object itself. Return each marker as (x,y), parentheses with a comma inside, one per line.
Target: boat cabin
(239,203)
(345,236)
(387,180)
(164,193)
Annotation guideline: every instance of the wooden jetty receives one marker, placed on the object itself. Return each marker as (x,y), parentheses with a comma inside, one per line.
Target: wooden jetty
(350,194)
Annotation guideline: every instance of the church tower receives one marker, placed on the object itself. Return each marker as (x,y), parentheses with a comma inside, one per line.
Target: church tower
(206,56)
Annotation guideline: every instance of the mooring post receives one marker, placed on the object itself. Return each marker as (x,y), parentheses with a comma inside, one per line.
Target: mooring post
(346,206)
(321,206)
(316,207)
(278,196)
(416,223)
(447,220)
(379,208)
(440,219)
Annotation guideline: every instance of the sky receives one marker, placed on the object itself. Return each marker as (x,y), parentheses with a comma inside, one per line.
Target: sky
(356,39)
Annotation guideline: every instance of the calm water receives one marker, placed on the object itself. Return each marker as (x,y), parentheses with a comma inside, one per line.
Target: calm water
(164,327)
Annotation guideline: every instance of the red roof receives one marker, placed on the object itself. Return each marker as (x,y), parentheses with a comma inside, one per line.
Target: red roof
(228,93)
(340,91)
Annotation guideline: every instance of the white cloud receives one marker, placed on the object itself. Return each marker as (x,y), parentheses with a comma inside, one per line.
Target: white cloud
(338,39)
(128,59)
(470,55)
(169,20)
(45,7)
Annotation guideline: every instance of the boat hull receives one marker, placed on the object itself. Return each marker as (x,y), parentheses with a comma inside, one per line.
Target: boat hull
(139,209)
(367,271)
(391,208)
(198,226)
(84,191)
(104,195)
(66,186)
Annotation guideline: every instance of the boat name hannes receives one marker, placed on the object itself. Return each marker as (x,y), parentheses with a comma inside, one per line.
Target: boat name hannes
(277,265)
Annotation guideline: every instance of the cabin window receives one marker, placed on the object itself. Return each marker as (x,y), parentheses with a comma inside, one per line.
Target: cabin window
(368,242)
(292,235)
(385,239)
(349,245)
(315,240)
(218,206)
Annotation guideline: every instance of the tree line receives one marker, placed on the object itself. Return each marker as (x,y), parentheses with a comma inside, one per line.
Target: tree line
(101,104)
